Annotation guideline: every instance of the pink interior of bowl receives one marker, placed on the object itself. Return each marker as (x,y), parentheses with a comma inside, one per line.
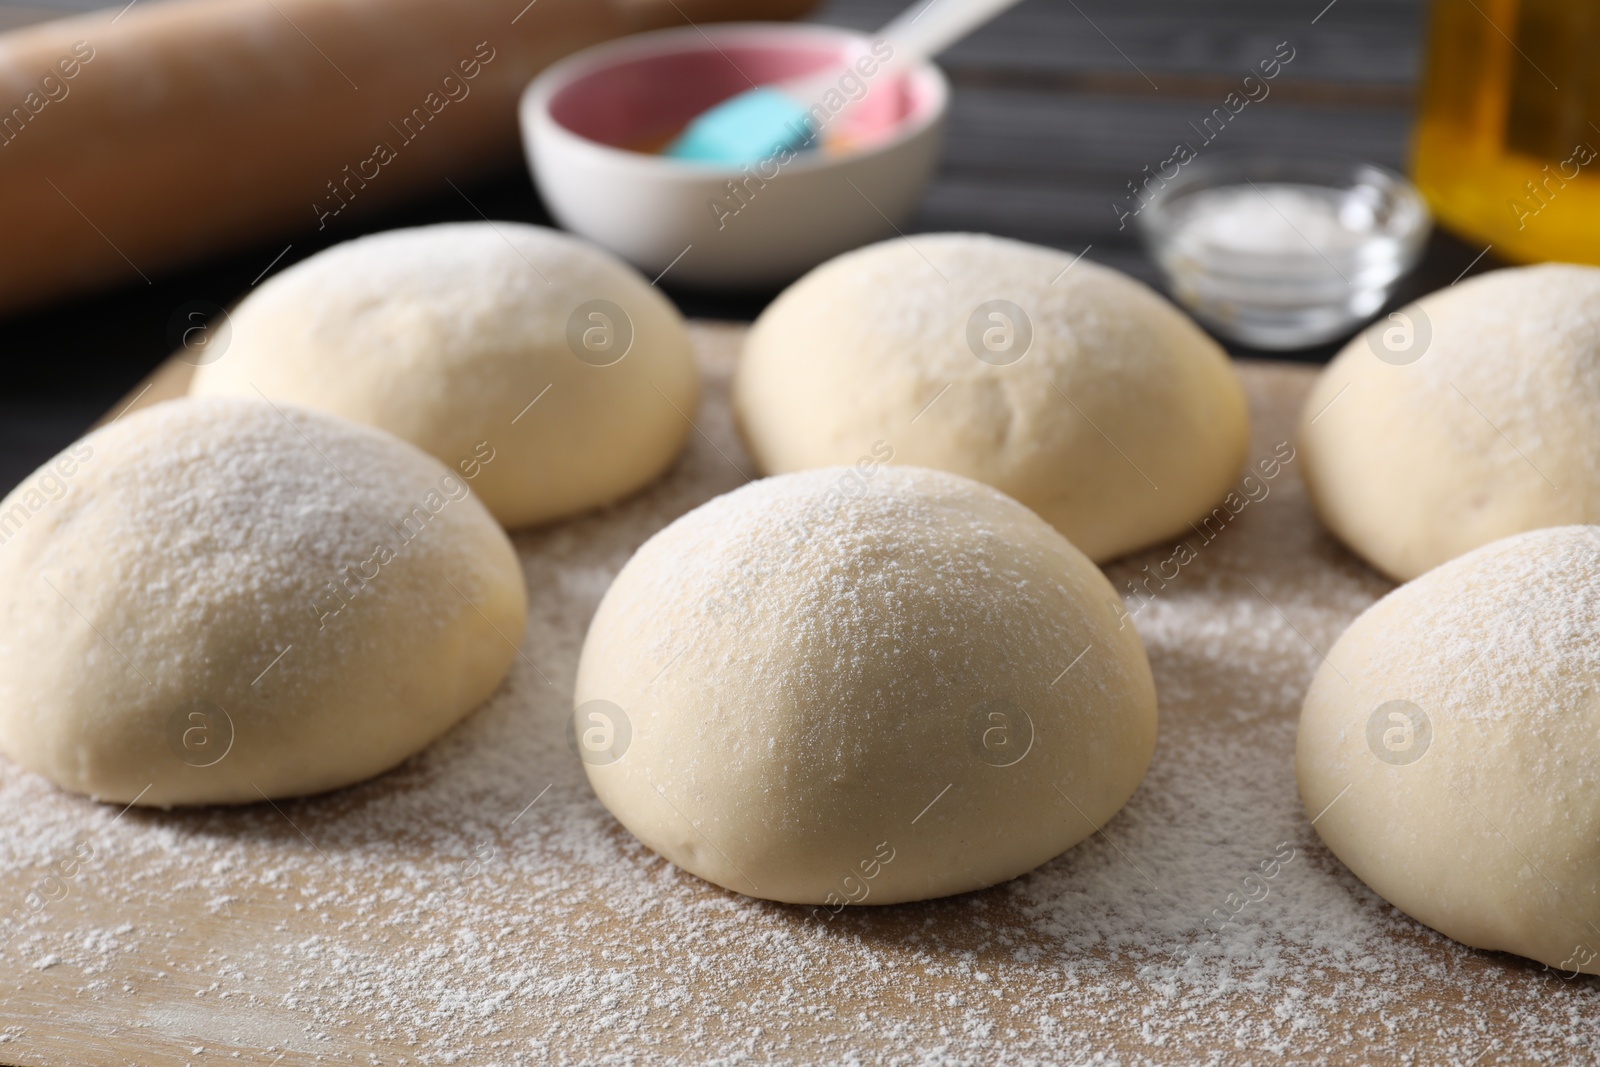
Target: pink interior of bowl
(641,102)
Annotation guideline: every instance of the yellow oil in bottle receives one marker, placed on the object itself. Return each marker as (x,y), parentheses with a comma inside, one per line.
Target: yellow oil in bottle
(1507,145)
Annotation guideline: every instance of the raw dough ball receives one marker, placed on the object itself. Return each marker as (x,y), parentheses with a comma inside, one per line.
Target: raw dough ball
(215,600)
(1071,387)
(1460,419)
(445,335)
(1450,743)
(864,685)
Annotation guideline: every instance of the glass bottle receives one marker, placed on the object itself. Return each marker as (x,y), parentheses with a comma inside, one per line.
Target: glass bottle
(1507,145)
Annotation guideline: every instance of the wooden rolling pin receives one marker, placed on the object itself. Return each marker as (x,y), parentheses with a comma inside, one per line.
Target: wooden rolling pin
(131,142)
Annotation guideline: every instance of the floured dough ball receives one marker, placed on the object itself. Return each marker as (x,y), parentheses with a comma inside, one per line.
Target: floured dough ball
(1460,419)
(862,685)
(1069,386)
(217,600)
(1450,744)
(543,366)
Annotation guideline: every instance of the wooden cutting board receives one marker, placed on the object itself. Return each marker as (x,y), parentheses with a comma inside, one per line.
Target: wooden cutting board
(477,905)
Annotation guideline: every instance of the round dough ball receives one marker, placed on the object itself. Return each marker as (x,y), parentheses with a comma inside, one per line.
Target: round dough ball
(862,685)
(1450,743)
(216,601)
(1069,386)
(1461,419)
(540,364)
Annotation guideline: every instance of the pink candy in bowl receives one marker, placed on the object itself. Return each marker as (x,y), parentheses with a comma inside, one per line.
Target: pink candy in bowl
(592,125)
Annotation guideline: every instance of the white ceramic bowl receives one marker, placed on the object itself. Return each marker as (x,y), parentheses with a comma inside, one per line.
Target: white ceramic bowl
(717,226)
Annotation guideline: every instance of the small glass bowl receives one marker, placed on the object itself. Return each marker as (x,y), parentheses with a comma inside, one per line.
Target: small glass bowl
(1282,252)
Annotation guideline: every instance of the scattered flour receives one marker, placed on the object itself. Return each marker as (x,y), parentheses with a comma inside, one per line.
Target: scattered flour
(433,917)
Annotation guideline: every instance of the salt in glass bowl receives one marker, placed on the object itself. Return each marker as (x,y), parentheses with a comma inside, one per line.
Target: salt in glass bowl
(1282,252)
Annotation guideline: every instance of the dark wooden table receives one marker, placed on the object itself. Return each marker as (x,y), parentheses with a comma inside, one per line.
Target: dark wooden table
(1057,105)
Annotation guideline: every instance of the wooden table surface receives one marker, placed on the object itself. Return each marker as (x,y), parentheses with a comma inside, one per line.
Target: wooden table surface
(418,918)
(1057,105)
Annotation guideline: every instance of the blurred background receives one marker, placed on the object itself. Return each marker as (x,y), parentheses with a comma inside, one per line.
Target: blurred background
(1057,105)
